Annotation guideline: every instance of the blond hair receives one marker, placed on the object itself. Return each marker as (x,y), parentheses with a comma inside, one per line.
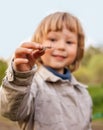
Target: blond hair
(55,22)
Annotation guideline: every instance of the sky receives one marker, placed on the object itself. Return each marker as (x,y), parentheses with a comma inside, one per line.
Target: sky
(19,19)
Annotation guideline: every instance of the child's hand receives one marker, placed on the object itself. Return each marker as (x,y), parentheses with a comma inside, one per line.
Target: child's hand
(26,55)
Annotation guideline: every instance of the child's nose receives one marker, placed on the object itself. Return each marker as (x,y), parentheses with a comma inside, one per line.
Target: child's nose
(61,45)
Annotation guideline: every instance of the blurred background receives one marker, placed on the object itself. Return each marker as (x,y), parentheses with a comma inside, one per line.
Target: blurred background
(18,20)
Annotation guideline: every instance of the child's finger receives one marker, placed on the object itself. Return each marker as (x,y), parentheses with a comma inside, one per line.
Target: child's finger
(18,61)
(20,51)
(36,54)
(32,45)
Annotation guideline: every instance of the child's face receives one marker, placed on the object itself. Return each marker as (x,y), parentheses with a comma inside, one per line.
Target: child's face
(64,49)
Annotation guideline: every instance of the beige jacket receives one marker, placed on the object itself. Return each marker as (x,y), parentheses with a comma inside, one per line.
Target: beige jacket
(39,100)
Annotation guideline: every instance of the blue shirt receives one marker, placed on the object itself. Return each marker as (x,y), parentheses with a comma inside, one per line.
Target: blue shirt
(66,75)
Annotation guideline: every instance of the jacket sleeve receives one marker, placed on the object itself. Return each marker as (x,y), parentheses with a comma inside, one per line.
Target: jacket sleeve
(16,96)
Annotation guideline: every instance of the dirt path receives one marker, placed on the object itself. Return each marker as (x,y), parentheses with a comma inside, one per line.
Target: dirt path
(8,125)
(97,125)
(5,124)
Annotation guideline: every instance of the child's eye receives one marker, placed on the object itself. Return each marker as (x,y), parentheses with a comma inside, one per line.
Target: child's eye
(69,42)
(52,39)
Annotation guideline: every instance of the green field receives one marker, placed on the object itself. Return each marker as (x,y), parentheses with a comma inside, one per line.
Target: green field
(96,93)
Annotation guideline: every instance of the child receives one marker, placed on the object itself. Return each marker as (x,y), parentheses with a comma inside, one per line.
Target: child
(39,90)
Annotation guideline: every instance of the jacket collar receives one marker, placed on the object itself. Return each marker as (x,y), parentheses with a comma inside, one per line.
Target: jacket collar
(76,83)
(50,77)
(47,75)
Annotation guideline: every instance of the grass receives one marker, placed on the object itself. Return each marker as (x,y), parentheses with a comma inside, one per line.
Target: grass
(96,93)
